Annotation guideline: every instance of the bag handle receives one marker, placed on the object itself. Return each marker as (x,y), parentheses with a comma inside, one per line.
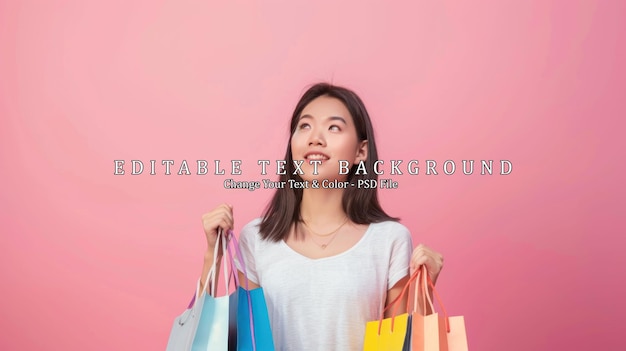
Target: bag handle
(198,294)
(423,286)
(232,276)
(211,275)
(395,302)
(239,257)
(221,241)
(420,288)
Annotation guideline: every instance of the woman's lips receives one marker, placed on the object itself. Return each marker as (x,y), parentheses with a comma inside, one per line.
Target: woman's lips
(316,156)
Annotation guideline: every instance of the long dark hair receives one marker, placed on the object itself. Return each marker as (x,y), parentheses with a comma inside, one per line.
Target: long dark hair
(361,205)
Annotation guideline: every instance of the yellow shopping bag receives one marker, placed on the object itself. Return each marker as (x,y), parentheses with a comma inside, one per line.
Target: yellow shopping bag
(389,334)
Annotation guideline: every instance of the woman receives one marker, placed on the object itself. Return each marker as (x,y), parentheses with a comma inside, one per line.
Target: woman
(328,257)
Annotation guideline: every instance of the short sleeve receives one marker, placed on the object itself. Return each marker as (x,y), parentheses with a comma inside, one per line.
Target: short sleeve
(401,250)
(248,240)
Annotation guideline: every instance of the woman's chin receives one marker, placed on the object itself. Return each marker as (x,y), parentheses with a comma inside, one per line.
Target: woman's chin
(323,178)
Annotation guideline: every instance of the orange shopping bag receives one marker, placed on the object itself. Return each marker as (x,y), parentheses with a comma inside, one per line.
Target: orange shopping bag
(434,332)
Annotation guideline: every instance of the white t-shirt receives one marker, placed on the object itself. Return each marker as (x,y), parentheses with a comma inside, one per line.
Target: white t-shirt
(324,304)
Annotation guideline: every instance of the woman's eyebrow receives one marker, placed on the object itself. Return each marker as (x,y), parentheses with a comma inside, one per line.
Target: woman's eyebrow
(331,118)
(337,118)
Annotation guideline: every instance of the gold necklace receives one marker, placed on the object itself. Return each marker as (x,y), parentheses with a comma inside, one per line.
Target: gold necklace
(328,234)
(323,246)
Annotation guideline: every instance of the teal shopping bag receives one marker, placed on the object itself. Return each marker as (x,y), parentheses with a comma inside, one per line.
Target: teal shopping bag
(216,330)
(254,332)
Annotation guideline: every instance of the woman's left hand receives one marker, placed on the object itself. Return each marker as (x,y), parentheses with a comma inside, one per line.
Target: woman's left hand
(423,255)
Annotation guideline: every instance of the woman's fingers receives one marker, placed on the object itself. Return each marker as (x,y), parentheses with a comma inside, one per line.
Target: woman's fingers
(423,255)
(219,217)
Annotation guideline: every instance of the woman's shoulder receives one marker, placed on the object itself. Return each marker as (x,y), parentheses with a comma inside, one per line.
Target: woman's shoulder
(391,230)
(253,224)
(390,226)
(251,229)
(250,236)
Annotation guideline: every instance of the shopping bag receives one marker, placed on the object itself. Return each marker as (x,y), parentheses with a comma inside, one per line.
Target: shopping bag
(434,331)
(389,334)
(217,326)
(184,328)
(407,339)
(214,329)
(253,324)
(209,323)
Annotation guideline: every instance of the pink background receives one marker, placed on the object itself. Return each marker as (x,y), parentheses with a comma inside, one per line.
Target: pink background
(89,260)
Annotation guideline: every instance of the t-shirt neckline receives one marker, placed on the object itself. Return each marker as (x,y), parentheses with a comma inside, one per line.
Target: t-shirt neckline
(367,231)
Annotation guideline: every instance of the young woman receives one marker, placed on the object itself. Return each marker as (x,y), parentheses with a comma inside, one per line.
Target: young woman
(328,258)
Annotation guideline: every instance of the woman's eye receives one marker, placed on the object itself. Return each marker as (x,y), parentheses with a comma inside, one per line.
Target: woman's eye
(334,128)
(304,126)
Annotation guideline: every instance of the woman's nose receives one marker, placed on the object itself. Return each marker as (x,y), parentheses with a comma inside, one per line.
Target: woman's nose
(316,138)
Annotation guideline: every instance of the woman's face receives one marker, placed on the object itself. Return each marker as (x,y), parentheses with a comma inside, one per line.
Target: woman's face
(326,132)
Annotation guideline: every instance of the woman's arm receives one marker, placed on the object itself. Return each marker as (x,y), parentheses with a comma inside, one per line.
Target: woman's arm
(251,285)
(392,294)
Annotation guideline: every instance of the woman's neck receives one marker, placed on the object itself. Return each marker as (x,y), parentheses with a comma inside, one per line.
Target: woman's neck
(322,206)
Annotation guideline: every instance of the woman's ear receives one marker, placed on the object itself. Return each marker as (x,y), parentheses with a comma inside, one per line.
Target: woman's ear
(361,153)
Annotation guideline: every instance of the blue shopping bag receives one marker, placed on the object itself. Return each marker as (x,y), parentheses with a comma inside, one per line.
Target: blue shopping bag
(252,304)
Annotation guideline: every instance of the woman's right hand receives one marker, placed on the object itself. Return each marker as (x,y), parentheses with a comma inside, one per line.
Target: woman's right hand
(220,217)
